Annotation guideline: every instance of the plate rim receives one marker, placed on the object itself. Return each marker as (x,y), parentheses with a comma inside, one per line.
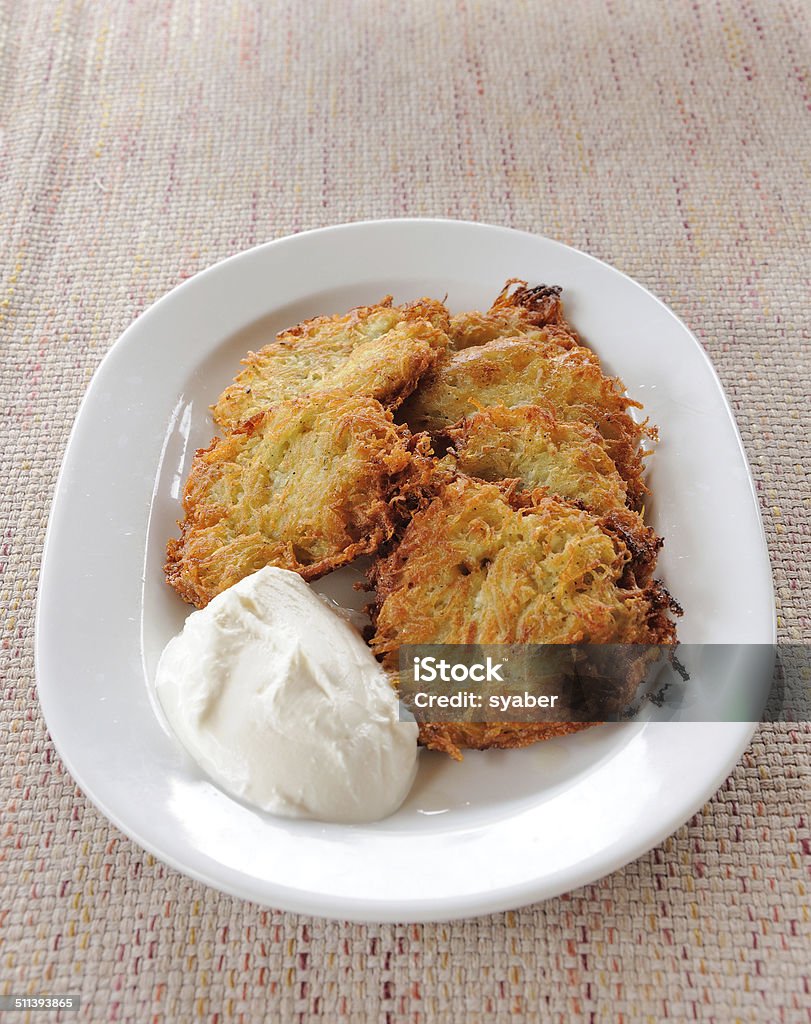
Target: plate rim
(435,908)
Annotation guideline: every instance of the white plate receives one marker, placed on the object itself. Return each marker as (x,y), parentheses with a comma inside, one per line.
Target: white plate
(503,828)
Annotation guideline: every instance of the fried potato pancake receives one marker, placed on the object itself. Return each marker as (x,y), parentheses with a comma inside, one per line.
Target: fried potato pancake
(380,351)
(529,443)
(532,370)
(568,460)
(484,563)
(513,313)
(453,737)
(308,485)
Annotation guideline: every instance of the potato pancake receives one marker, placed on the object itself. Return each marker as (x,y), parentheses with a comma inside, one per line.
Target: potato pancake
(308,485)
(380,351)
(532,370)
(529,443)
(483,563)
(513,313)
(453,737)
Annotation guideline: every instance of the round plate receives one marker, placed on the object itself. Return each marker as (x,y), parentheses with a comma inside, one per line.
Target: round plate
(499,830)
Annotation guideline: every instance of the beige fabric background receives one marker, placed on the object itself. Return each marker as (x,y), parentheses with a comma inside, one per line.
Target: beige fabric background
(143,141)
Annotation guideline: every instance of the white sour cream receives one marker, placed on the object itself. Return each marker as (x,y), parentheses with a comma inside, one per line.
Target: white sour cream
(280,701)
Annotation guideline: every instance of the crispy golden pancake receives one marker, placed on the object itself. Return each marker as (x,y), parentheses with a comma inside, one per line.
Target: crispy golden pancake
(567,460)
(308,485)
(380,351)
(531,444)
(454,737)
(532,370)
(486,564)
(513,313)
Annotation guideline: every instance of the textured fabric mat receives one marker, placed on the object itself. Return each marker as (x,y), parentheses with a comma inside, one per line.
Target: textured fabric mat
(139,143)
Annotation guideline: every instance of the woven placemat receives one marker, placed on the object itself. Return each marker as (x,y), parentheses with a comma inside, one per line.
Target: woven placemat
(140,143)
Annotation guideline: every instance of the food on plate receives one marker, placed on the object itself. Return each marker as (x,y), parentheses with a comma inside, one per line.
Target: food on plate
(514,312)
(307,485)
(488,564)
(280,701)
(503,505)
(380,351)
(529,443)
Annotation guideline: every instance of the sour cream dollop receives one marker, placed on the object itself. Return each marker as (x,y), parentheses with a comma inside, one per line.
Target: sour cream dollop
(280,702)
